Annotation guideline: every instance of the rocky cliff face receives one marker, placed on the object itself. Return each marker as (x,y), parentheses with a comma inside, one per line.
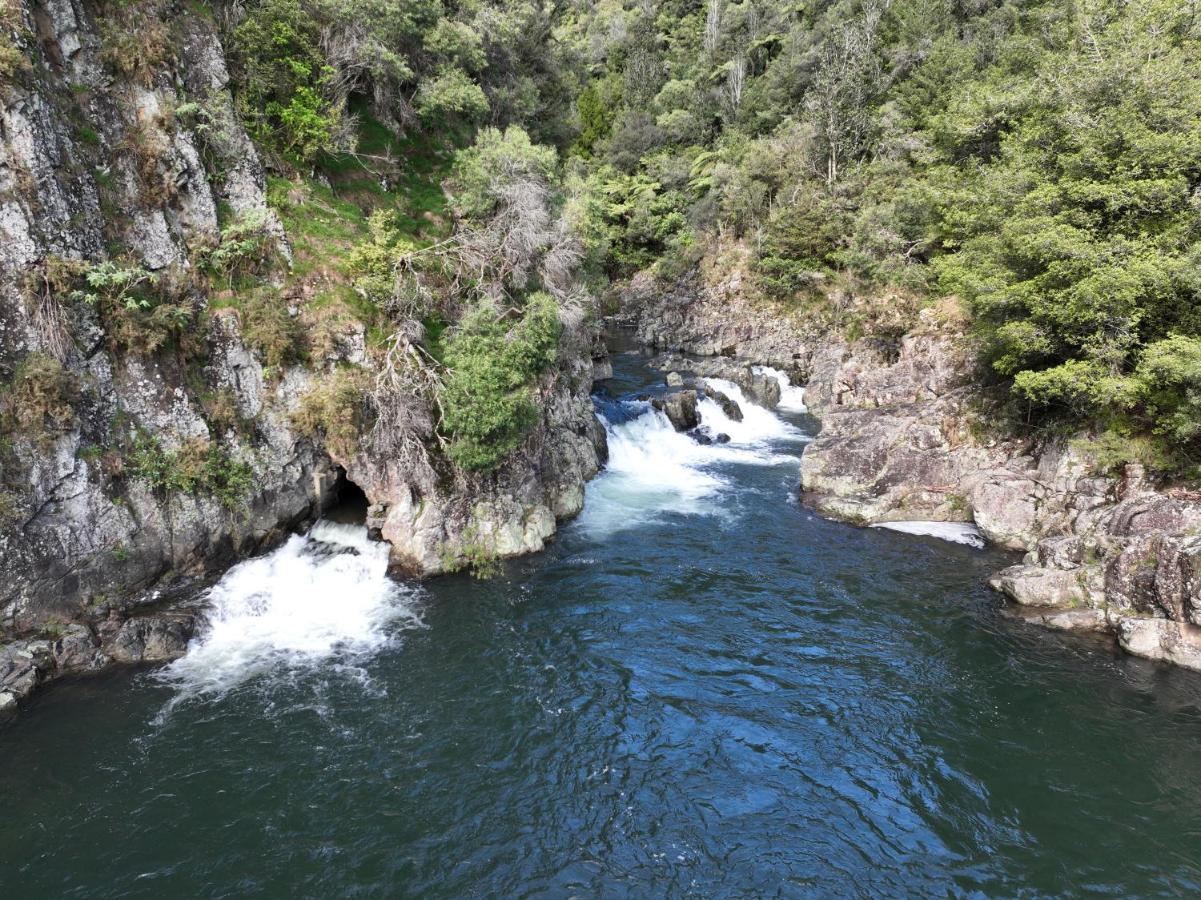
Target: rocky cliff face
(90,162)
(905,437)
(130,475)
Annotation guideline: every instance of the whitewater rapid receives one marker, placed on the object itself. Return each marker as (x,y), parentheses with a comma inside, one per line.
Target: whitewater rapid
(321,597)
(792,397)
(654,470)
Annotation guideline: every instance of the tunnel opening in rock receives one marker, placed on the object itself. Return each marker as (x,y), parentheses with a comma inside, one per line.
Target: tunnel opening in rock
(349,503)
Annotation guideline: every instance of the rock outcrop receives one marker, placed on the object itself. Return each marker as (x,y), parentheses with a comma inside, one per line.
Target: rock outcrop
(680,408)
(142,170)
(905,436)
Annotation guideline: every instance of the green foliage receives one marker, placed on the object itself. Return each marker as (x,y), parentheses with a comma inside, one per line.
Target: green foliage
(142,311)
(244,247)
(450,94)
(335,411)
(197,466)
(269,327)
(595,112)
(12,60)
(284,79)
(135,41)
(486,398)
(40,399)
(473,555)
(491,165)
(1169,385)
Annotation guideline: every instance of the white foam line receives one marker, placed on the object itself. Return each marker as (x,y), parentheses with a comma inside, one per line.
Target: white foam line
(956,532)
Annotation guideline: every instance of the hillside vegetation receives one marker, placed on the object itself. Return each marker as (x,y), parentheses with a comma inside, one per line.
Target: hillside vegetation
(475,161)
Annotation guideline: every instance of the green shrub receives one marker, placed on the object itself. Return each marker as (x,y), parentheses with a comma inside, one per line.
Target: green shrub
(450,94)
(198,465)
(282,78)
(12,61)
(494,163)
(40,399)
(244,247)
(135,41)
(486,398)
(269,328)
(1169,383)
(141,311)
(335,410)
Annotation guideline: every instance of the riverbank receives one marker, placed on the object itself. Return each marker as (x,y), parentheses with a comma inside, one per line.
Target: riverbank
(906,436)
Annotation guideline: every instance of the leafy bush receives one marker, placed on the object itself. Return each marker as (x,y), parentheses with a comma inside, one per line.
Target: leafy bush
(269,327)
(196,466)
(1169,384)
(283,78)
(496,161)
(486,398)
(335,411)
(244,247)
(451,94)
(142,311)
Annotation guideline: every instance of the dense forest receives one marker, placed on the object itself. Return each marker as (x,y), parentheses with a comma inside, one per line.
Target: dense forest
(1039,160)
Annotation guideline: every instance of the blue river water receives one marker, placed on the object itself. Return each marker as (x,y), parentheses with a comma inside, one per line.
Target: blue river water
(701,688)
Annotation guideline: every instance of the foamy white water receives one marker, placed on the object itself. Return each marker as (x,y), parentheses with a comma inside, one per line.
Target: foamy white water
(792,397)
(321,596)
(956,532)
(758,427)
(654,469)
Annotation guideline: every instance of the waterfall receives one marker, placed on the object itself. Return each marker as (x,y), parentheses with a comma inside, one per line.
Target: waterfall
(654,471)
(792,397)
(320,596)
(759,426)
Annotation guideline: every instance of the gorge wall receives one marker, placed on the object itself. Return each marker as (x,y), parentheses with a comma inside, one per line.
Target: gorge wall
(905,436)
(131,474)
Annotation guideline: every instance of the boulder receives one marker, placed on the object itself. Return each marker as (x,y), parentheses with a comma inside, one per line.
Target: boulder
(151,639)
(764,390)
(675,379)
(1036,586)
(680,409)
(729,407)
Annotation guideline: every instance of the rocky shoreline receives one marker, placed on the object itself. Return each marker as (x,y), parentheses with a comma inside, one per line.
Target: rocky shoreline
(103,563)
(902,439)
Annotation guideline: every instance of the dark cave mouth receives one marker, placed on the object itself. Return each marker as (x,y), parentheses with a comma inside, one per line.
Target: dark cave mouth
(348,503)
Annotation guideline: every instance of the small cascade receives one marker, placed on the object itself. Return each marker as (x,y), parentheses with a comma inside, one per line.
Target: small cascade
(758,427)
(655,470)
(320,596)
(792,397)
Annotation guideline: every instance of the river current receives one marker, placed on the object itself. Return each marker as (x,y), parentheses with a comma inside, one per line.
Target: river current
(701,688)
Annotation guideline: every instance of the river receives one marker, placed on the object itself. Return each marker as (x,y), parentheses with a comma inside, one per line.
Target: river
(700,688)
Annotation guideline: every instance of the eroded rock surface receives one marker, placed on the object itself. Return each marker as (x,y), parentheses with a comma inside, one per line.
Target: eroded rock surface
(98,165)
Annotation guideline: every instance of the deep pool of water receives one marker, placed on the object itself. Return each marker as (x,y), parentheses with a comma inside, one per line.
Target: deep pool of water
(700,688)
